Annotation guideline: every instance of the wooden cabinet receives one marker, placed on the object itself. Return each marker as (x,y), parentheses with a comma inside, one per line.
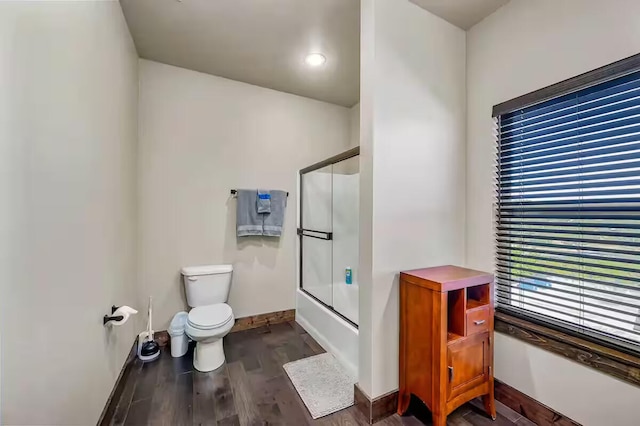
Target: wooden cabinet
(446,337)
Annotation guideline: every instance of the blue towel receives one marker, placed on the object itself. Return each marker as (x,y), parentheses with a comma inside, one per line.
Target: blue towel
(263,203)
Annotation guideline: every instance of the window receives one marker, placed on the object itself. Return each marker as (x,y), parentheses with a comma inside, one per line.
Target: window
(568,207)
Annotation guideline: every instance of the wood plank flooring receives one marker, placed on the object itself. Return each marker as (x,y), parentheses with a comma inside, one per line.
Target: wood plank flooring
(253,389)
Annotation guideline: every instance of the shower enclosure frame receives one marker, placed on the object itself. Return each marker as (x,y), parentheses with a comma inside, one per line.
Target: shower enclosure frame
(353,152)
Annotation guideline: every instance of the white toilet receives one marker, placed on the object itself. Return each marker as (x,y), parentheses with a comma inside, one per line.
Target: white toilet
(207,289)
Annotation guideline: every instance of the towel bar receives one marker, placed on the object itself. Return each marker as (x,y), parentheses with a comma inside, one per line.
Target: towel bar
(235,191)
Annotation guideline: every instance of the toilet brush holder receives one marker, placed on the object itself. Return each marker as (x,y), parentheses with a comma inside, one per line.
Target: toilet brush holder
(148,349)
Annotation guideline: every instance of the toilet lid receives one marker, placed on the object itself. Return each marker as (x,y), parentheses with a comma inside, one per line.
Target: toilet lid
(210,316)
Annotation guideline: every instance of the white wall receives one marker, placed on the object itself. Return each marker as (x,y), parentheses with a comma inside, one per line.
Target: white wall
(412,167)
(68,119)
(354,125)
(201,136)
(524,46)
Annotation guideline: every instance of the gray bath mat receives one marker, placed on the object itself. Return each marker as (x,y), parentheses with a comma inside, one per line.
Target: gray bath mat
(324,386)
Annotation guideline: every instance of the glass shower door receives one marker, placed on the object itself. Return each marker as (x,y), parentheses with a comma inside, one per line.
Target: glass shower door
(345,222)
(329,231)
(316,233)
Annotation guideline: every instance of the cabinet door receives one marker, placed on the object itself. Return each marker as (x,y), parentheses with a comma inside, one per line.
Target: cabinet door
(468,363)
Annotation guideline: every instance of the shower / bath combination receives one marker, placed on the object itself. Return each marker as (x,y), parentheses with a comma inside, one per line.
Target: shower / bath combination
(328,234)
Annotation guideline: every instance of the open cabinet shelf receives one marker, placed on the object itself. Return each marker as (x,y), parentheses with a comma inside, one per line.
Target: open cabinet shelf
(478,296)
(474,304)
(452,337)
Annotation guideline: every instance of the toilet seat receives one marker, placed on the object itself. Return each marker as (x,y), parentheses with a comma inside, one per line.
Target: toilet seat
(210,317)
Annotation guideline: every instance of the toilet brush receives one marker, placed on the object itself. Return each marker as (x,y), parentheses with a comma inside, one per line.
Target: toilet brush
(149,350)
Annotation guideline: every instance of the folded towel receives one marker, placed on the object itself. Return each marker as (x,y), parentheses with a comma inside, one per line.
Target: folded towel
(264,201)
(273,221)
(248,221)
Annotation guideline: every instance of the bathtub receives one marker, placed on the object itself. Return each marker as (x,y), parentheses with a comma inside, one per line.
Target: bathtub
(333,333)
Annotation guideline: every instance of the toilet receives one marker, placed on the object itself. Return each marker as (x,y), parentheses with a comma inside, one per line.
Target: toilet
(210,319)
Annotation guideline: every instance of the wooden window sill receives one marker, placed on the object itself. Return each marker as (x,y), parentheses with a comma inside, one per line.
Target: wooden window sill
(606,360)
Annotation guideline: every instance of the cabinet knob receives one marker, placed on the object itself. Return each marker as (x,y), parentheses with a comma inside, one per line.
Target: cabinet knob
(450,374)
(479,322)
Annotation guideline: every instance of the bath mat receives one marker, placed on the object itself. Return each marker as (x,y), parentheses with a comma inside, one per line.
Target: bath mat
(323,384)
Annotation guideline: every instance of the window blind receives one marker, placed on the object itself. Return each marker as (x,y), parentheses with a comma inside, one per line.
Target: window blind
(568,212)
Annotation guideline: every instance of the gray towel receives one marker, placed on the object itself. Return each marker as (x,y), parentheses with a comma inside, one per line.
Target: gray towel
(273,221)
(263,203)
(248,221)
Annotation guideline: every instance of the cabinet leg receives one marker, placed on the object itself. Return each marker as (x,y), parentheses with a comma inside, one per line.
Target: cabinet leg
(403,402)
(489,404)
(439,419)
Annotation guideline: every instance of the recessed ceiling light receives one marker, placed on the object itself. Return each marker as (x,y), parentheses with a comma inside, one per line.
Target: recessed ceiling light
(315,59)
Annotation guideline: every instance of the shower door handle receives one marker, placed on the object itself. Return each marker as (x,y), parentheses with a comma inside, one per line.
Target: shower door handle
(321,235)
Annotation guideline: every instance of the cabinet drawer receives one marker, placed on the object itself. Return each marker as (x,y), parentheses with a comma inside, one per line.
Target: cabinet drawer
(477,320)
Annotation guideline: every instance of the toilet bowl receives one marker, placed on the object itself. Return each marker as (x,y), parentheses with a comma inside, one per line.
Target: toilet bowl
(210,319)
(207,325)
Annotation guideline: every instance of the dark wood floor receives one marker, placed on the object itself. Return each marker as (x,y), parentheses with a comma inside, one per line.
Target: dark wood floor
(252,389)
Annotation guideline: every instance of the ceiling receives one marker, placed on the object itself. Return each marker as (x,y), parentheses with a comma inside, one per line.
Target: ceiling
(461,13)
(261,42)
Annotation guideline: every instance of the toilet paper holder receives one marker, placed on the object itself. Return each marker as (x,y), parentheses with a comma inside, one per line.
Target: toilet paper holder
(108,318)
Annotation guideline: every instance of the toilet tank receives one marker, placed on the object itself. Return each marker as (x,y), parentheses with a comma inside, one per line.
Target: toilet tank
(207,285)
